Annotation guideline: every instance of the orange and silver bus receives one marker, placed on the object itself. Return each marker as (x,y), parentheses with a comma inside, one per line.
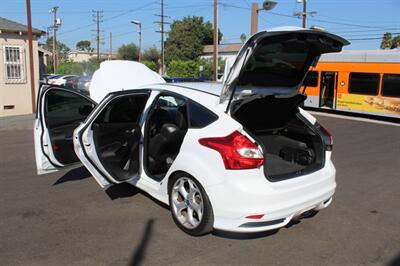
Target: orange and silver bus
(366,82)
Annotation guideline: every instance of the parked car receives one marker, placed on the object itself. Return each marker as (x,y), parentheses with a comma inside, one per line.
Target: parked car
(73,83)
(84,82)
(61,80)
(240,156)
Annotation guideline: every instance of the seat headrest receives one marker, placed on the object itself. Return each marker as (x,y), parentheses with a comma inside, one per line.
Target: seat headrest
(168,129)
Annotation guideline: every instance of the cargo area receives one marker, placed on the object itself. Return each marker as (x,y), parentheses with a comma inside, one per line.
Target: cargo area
(291,145)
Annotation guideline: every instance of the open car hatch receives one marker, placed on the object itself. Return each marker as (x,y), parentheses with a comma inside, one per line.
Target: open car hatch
(276,62)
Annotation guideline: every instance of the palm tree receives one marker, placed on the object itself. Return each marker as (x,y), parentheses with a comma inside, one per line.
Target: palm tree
(387,41)
(243,37)
(395,42)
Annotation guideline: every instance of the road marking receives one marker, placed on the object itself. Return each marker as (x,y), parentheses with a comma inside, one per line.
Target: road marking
(360,119)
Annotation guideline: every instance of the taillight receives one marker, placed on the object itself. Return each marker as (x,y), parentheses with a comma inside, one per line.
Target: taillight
(327,137)
(236,150)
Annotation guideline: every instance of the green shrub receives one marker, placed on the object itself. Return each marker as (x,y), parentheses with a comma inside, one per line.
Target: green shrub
(150,64)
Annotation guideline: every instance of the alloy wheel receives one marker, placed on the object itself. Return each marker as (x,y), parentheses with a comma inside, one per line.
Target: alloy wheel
(187,202)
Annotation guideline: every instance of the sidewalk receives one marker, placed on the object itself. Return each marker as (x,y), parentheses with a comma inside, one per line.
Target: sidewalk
(20,122)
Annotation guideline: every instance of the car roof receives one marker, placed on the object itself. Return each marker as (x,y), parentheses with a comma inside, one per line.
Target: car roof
(213,88)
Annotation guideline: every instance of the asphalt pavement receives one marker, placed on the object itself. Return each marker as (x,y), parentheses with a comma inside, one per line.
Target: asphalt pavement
(65,218)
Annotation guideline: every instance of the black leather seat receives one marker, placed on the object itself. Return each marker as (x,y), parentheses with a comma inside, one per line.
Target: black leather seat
(165,146)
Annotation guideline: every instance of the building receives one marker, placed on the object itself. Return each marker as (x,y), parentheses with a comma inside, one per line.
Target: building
(225,51)
(84,56)
(15,86)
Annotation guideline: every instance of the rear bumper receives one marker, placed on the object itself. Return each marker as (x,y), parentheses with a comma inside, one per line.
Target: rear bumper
(278,202)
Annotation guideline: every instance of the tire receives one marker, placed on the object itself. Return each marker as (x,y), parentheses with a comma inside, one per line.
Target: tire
(191,212)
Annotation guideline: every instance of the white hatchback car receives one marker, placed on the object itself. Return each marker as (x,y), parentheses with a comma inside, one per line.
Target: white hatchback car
(238,156)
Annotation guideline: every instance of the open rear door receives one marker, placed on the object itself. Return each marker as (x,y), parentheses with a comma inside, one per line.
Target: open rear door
(108,142)
(59,112)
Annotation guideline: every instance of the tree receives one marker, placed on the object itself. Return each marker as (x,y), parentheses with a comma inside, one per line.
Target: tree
(243,37)
(151,58)
(84,46)
(151,54)
(389,41)
(187,38)
(62,50)
(386,41)
(128,52)
(395,42)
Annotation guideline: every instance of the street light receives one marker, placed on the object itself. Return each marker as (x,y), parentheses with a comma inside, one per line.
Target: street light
(266,5)
(139,23)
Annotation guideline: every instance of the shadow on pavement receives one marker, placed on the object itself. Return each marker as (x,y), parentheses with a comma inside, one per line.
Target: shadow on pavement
(395,261)
(123,190)
(235,235)
(140,251)
(74,175)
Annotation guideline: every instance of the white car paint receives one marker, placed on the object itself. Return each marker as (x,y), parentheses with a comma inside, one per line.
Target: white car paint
(60,81)
(117,75)
(234,194)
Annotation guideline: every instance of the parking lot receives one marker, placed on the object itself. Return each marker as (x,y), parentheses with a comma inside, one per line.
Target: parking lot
(65,218)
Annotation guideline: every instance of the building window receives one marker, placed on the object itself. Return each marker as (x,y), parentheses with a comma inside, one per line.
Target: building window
(13,64)
(364,83)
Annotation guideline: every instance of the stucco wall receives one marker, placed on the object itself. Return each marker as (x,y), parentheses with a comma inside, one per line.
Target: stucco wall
(19,94)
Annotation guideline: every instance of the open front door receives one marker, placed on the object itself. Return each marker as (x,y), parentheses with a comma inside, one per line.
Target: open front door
(59,112)
(108,143)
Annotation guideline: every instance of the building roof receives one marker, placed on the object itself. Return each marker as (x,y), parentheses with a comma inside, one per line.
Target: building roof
(223,48)
(7,25)
(388,56)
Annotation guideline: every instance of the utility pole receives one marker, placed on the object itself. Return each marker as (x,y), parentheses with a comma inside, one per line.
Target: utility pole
(97,18)
(254,18)
(162,38)
(162,32)
(304,14)
(110,52)
(31,66)
(267,5)
(55,25)
(215,50)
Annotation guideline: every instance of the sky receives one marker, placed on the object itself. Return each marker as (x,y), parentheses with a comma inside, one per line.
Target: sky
(363,22)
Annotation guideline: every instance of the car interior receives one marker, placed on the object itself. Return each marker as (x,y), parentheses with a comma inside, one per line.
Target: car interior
(64,111)
(117,134)
(166,128)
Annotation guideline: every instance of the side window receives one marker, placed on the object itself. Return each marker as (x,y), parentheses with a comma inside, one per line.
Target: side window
(364,83)
(125,109)
(311,79)
(200,116)
(391,85)
(64,107)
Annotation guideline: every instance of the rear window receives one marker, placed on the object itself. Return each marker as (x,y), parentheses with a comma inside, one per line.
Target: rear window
(311,79)
(364,83)
(200,116)
(277,63)
(391,85)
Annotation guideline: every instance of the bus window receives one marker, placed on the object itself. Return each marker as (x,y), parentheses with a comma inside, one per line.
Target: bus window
(364,83)
(311,79)
(391,85)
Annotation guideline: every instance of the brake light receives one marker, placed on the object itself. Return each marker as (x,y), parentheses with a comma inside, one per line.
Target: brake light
(236,150)
(327,136)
